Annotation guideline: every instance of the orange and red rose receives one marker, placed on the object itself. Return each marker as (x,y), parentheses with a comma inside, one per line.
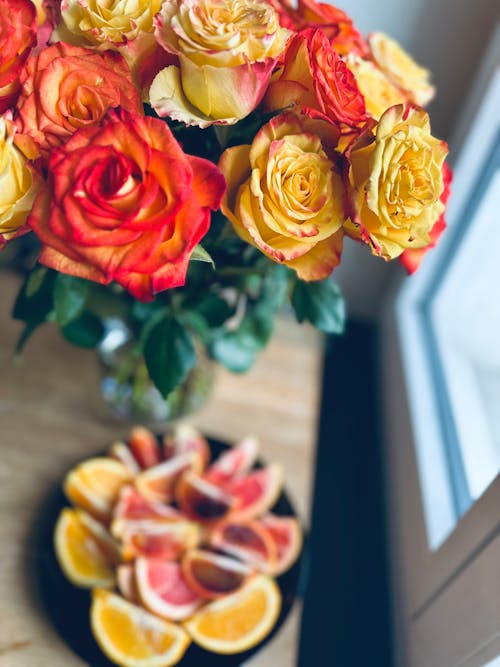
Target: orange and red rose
(317,81)
(66,88)
(412,257)
(18,28)
(285,196)
(124,203)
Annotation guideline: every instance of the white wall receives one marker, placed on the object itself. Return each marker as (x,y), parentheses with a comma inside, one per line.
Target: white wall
(449,37)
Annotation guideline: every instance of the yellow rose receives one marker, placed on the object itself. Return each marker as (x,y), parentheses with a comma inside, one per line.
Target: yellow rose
(401,69)
(397,181)
(378,91)
(108,22)
(285,197)
(227,50)
(18,185)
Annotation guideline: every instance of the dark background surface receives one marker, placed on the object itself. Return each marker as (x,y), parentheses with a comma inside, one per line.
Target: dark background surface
(346,618)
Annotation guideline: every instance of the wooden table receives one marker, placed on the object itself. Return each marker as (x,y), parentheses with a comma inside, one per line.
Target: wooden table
(51,414)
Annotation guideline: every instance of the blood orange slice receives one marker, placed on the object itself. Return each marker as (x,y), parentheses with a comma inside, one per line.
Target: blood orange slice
(287,535)
(248,540)
(163,589)
(233,463)
(202,501)
(131,636)
(257,492)
(158,483)
(144,446)
(132,505)
(121,452)
(238,621)
(186,439)
(212,575)
(155,538)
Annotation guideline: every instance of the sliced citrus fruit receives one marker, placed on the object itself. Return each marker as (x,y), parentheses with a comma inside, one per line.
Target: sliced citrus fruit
(213,575)
(287,535)
(186,439)
(238,621)
(248,540)
(234,462)
(201,500)
(144,446)
(158,483)
(125,579)
(121,452)
(94,485)
(257,492)
(84,549)
(163,589)
(155,537)
(132,505)
(132,637)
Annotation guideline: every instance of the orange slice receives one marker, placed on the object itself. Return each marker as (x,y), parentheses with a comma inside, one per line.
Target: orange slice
(94,485)
(238,621)
(132,637)
(158,483)
(125,580)
(163,590)
(85,550)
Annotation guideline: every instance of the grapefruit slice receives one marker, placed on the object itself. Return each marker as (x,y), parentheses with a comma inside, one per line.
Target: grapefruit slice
(256,492)
(238,621)
(202,501)
(158,483)
(154,537)
(131,636)
(125,580)
(233,463)
(144,446)
(287,535)
(163,589)
(132,505)
(212,575)
(120,451)
(84,549)
(247,540)
(94,485)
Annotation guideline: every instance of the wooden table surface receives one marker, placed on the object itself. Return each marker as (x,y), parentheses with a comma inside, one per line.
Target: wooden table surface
(51,415)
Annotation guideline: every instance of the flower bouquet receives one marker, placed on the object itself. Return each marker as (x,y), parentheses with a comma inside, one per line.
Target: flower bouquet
(189,166)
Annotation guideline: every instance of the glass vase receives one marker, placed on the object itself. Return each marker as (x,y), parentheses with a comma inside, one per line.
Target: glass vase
(130,394)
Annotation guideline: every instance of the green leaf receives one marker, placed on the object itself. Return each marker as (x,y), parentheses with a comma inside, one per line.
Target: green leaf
(234,350)
(214,309)
(199,254)
(35,280)
(320,303)
(85,331)
(169,354)
(70,294)
(34,303)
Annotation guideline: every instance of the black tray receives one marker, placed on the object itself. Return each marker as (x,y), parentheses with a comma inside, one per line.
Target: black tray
(68,606)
